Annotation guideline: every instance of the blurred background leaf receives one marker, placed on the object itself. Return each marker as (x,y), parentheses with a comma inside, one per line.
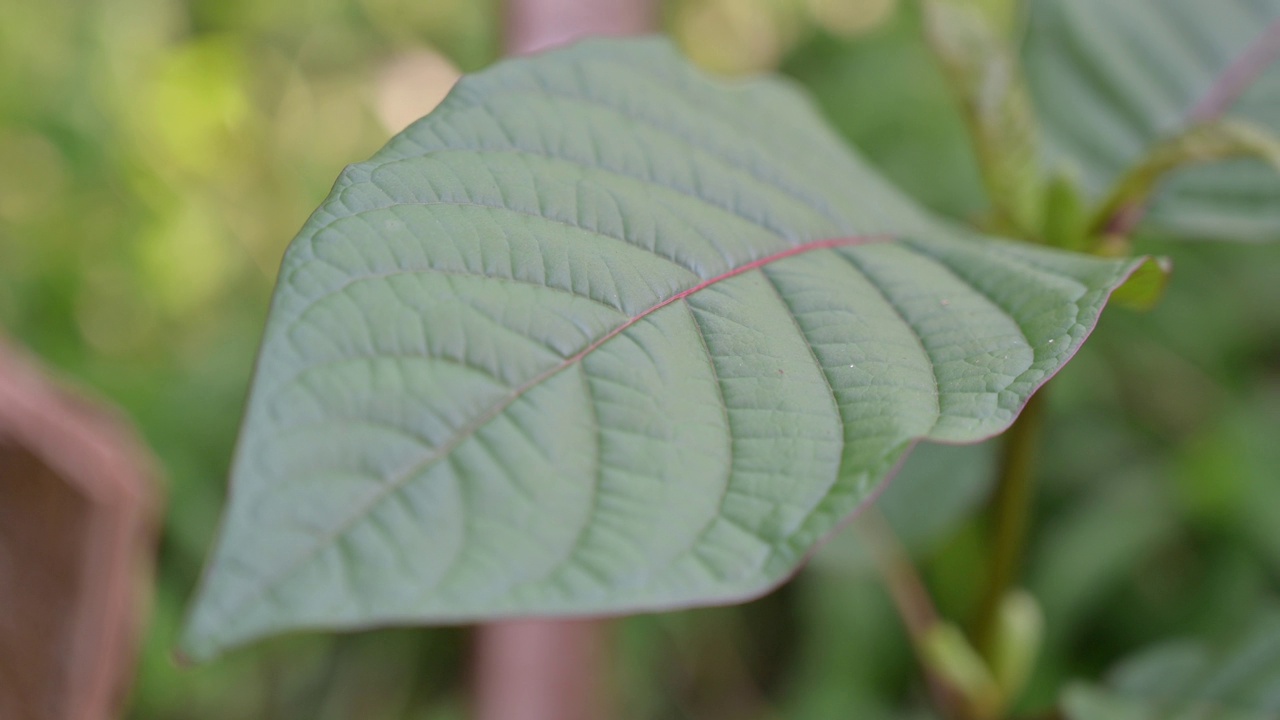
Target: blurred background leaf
(1113,79)
(1189,679)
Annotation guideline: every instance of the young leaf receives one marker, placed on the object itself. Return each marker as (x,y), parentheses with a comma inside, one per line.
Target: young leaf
(1113,81)
(602,335)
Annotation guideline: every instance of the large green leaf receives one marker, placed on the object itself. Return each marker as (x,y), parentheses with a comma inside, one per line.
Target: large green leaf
(1190,680)
(603,335)
(1112,78)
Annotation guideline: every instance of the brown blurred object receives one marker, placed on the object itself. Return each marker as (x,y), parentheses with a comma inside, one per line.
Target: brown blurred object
(78,503)
(536,25)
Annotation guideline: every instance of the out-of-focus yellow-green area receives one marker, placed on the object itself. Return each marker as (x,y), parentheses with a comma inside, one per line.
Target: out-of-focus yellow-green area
(156,156)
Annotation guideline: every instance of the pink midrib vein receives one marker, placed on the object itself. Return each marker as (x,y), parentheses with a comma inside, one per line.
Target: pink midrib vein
(474,426)
(753,265)
(1232,82)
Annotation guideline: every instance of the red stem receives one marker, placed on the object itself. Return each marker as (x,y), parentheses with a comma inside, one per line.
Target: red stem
(552,669)
(542,670)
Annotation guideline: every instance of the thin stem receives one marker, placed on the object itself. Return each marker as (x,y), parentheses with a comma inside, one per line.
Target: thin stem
(1219,139)
(1010,510)
(913,603)
(542,670)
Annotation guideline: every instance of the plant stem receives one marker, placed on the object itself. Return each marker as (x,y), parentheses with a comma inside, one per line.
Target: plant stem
(973,44)
(551,669)
(535,25)
(1010,510)
(542,670)
(912,601)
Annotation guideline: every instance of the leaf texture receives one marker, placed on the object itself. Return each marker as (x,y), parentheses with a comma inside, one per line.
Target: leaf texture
(1112,78)
(603,335)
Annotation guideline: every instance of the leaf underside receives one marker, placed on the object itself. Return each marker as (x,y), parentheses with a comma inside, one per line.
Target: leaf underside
(602,335)
(1111,79)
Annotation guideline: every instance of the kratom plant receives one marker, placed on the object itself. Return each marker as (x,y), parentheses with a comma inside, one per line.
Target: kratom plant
(604,335)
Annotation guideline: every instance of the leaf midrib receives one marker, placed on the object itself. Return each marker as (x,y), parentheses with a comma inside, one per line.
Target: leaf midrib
(1238,76)
(471,428)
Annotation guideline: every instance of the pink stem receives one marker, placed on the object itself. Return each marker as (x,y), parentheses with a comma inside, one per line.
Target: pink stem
(542,670)
(552,669)
(535,25)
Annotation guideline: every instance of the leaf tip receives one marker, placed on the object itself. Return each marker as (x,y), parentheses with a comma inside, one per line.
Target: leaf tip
(1145,284)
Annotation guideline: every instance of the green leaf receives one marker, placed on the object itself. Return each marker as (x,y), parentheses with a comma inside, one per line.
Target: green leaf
(1114,80)
(602,335)
(930,497)
(1146,286)
(1190,680)
(1065,216)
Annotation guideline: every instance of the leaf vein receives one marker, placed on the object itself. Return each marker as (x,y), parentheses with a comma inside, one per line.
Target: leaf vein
(445,450)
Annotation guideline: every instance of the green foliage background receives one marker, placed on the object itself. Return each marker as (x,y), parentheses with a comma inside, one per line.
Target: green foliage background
(156,155)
